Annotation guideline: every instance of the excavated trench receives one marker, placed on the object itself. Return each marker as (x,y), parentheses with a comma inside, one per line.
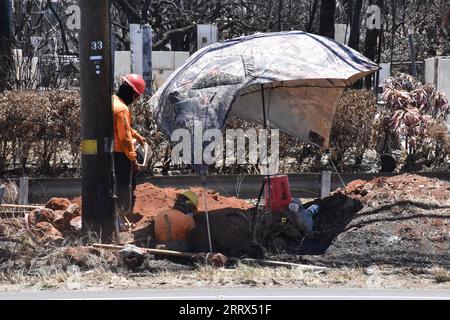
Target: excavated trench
(401,220)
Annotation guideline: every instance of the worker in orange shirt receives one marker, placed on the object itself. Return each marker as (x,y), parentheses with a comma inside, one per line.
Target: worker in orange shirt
(125,163)
(174,224)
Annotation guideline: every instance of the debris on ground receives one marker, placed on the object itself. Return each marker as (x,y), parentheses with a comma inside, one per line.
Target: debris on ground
(132,255)
(398,220)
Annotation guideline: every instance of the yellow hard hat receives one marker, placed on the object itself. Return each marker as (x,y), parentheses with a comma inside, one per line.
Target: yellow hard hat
(191,196)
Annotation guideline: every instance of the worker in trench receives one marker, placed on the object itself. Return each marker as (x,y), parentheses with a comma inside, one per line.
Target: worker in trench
(125,157)
(172,225)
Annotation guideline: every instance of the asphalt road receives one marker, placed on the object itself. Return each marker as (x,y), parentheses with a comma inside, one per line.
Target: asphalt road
(235,294)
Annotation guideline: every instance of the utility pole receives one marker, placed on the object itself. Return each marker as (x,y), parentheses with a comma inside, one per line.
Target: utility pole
(96,118)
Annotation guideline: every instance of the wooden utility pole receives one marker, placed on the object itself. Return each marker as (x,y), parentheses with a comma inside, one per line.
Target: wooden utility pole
(96,118)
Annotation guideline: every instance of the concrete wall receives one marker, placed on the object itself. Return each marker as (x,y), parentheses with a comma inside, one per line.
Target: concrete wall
(430,70)
(340,33)
(164,63)
(122,65)
(136,48)
(437,71)
(206,34)
(443,76)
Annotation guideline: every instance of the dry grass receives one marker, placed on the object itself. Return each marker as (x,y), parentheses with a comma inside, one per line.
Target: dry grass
(47,267)
(11,193)
(204,276)
(441,275)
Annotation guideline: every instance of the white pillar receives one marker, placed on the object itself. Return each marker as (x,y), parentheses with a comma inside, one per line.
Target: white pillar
(23,191)
(136,48)
(325,185)
(147,57)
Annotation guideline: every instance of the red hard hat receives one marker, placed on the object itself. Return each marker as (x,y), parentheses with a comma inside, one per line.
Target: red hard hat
(136,82)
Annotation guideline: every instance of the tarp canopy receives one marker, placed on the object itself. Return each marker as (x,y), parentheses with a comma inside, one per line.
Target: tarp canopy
(300,75)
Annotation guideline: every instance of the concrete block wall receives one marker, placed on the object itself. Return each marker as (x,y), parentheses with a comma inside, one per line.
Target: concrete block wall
(164,63)
(437,72)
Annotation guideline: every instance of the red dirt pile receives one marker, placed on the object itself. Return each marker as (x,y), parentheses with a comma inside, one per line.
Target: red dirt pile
(150,198)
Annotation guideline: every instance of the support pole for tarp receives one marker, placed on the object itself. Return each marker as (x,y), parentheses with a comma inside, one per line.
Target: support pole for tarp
(265,127)
(203,177)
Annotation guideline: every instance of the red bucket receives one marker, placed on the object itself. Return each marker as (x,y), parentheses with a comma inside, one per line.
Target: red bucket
(280,192)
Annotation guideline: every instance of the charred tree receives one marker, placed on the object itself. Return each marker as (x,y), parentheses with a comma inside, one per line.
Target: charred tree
(312,15)
(355,29)
(6,59)
(326,21)
(371,41)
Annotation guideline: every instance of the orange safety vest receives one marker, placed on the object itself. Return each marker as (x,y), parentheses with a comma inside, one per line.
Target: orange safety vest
(123,133)
(171,224)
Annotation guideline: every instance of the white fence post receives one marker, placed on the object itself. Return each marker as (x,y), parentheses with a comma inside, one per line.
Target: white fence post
(136,48)
(325,185)
(23,191)
(2,191)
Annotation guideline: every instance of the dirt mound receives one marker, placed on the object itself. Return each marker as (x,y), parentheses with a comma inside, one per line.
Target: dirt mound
(400,220)
(150,198)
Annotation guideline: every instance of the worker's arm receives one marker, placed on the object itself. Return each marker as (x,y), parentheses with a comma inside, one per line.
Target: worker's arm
(137,136)
(125,135)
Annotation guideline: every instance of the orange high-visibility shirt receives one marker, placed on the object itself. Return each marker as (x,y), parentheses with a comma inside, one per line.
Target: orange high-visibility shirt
(123,133)
(176,226)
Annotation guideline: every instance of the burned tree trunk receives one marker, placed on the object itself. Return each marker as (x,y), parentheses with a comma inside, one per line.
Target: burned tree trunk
(370,45)
(311,16)
(355,25)
(6,59)
(326,23)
